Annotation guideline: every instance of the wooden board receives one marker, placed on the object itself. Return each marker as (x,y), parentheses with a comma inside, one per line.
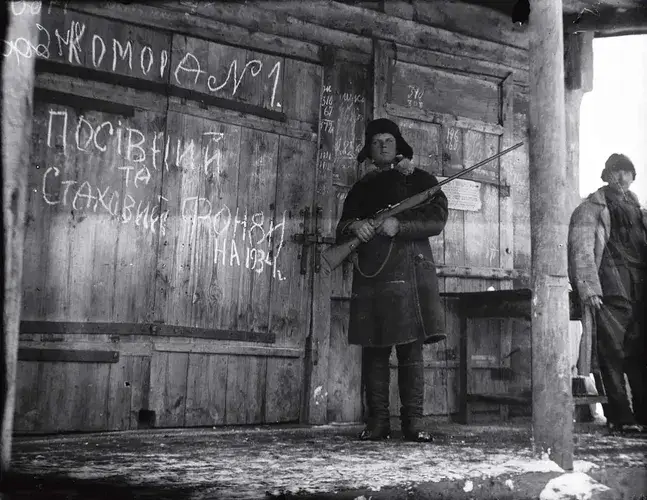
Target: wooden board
(444,91)
(93,215)
(290,304)
(246,381)
(168,388)
(284,390)
(128,391)
(206,390)
(344,109)
(344,369)
(228,73)
(115,48)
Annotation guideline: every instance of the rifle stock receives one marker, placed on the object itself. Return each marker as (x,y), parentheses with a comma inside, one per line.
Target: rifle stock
(333,256)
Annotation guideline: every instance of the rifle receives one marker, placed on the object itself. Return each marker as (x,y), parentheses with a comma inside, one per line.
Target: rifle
(336,254)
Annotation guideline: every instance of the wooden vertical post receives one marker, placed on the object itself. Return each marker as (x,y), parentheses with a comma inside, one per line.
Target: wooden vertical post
(15,133)
(552,402)
(578,68)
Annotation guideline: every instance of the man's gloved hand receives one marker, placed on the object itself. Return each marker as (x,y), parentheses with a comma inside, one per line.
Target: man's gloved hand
(389,227)
(363,229)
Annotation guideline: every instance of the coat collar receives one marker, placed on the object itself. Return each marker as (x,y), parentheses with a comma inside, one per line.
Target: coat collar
(599,198)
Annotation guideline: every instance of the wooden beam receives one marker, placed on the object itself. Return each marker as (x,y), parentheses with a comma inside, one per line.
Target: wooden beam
(578,61)
(608,22)
(552,403)
(347,19)
(15,134)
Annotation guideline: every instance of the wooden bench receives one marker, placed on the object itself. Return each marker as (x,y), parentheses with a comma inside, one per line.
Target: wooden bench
(498,304)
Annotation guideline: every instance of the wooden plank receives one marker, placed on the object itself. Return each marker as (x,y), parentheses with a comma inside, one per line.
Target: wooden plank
(473,20)
(136,329)
(246,385)
(445,119)
(96,222)
(256,198)
(301,97)
(223,347)
(127,378)
(351,19)
(173,17)
(492,273)
(140,374)
(481,227)
(345,370)
(100,93)
(424,138)
(27,415)
(459,64)
(277,23)
(346,104)
(382,63)
(143,220)
(72,397)
(283,390)
(608,22)
(206,390)
(168,388)
(454,235)
(86,396)
(290,302)
(228,72)
(289,127)
(66,355)
(506,165)
(104,45)
(77,328)
(444,91)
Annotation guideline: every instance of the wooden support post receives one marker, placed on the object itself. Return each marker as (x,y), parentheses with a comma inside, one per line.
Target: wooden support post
(578,68)
(15,134)
(552,402)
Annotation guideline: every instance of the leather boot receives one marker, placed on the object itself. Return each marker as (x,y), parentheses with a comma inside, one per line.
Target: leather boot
(377,378)
(411,384)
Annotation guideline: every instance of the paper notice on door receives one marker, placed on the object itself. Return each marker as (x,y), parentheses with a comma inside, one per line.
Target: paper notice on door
(463,194)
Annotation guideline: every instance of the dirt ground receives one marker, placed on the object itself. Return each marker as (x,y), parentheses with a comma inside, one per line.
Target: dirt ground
(464,462)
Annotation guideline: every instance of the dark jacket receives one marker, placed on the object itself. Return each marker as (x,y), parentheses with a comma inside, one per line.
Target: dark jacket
(401,303)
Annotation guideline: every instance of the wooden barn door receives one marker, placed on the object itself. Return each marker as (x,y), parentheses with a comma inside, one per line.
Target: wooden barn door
(168,269)
(456,112)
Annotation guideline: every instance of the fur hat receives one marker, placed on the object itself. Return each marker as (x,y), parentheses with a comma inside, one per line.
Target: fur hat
(384,126)
(617,162)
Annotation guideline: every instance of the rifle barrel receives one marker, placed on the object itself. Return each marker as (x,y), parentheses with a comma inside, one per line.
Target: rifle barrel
(473,167)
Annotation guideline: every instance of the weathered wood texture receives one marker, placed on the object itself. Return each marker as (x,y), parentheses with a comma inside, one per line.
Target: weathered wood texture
(472,20)
(175,162)
(345,109)
(551,380)
(15,129)
(177,209)
(449,133)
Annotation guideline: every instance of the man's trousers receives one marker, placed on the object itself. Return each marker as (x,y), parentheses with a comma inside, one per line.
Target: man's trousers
(410,384)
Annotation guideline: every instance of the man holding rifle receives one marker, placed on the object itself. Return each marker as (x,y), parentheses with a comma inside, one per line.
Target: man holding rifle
(395,299)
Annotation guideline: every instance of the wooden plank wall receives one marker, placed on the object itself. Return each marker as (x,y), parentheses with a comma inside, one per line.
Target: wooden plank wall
(188,381)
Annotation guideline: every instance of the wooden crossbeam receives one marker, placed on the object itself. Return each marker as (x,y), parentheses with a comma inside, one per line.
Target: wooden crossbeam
(608,22)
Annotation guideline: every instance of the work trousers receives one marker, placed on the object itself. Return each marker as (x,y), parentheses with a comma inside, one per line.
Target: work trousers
(621,350)
(410,384)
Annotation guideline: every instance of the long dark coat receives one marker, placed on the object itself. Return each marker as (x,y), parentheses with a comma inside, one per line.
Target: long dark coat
(401,303)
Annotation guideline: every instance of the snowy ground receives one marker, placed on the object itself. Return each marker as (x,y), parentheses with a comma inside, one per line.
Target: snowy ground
(257,463)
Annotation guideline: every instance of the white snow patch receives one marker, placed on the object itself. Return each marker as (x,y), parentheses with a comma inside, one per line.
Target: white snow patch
(583,466)
(469,486)
(571,486)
